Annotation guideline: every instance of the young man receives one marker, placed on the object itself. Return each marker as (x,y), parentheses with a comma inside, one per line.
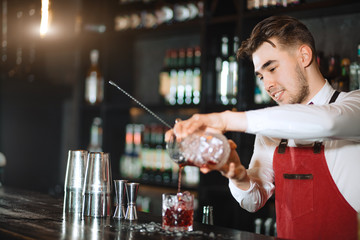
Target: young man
(307,149)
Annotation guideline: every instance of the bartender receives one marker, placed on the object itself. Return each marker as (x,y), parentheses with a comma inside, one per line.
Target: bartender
(307,149)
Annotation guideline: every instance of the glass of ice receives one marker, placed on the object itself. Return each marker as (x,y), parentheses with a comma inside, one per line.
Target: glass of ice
(177,211)
(200,149)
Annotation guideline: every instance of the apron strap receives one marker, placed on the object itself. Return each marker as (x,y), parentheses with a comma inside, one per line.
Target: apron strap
(317,145)
(334,96)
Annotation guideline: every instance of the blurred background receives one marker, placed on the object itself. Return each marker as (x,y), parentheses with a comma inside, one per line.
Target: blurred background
(177,57)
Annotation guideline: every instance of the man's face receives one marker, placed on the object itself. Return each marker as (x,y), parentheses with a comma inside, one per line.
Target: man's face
(279,69)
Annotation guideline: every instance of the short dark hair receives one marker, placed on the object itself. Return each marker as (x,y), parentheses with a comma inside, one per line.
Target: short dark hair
(287,30)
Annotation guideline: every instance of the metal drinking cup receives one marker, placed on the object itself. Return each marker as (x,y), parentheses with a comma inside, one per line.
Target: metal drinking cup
(97,186)
(74,180)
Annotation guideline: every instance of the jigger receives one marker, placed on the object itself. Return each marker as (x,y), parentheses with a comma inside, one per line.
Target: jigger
(131,193)
(120,192)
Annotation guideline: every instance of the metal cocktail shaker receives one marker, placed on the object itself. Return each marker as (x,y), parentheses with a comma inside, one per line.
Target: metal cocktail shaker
(74,180)
(97,200)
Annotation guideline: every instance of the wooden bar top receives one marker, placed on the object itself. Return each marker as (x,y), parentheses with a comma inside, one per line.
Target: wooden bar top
(33,215)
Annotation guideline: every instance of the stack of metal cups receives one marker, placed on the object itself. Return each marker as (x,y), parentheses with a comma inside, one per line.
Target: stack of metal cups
(88,184)
(88,188)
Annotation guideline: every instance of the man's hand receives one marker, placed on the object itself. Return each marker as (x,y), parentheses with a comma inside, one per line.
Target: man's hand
(212,122)
(232,169)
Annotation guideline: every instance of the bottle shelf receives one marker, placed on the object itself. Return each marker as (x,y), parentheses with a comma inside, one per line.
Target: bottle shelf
(164,29)
(142,17)
(308,10)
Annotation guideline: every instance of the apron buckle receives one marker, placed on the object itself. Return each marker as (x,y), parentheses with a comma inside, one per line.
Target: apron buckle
(317,147)
(282,146)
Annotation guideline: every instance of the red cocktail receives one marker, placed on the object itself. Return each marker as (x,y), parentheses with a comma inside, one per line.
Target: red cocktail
(178,211)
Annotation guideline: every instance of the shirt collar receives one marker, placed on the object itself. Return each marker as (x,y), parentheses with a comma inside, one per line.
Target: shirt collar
(323,96)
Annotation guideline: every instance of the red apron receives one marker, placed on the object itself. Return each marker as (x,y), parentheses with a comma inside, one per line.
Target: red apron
(308,203)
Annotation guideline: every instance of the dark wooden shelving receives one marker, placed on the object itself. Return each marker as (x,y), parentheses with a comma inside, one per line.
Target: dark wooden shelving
(224,19)
(165,28)
(309,10)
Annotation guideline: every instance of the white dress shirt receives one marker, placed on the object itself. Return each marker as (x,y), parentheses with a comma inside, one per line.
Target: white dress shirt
(337,125)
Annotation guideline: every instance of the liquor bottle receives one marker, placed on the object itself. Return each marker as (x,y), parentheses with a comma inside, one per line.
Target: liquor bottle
(322,63)
(164,14)
(342,81)
(264,4)
(146,154)
(136,163)
(126,158)
(173,78)
(250,5)
(94,83)
(164,78)
(284,3)
(181,80)
(148,19)
(274,3)
(189,76)
(260,94)
(193,10)
(294,2)
(157,154)
(355,72)
(181,12)
(167,162)
(233,73)
(197,76)
(153,164)
(257,95)
(333,70)
(192,176)
(257,4)
(96,133)
(222,68)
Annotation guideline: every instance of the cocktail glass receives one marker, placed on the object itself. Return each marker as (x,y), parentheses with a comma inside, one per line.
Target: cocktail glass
(178,211)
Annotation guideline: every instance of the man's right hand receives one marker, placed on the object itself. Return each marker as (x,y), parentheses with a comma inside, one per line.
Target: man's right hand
(211,122)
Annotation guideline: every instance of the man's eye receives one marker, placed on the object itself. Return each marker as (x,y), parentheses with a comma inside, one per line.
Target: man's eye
(272,69)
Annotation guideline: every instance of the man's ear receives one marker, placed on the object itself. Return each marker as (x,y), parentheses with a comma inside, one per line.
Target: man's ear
(305,55)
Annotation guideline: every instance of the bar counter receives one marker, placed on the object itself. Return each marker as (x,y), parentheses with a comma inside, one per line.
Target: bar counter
(32,215)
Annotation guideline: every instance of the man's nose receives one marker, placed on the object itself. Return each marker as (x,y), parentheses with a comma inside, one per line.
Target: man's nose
(268,83)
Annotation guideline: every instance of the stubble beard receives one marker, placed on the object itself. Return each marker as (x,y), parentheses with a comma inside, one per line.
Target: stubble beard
(303,91)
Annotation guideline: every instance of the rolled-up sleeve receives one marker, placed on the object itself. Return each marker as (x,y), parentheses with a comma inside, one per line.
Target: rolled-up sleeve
(261,176)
